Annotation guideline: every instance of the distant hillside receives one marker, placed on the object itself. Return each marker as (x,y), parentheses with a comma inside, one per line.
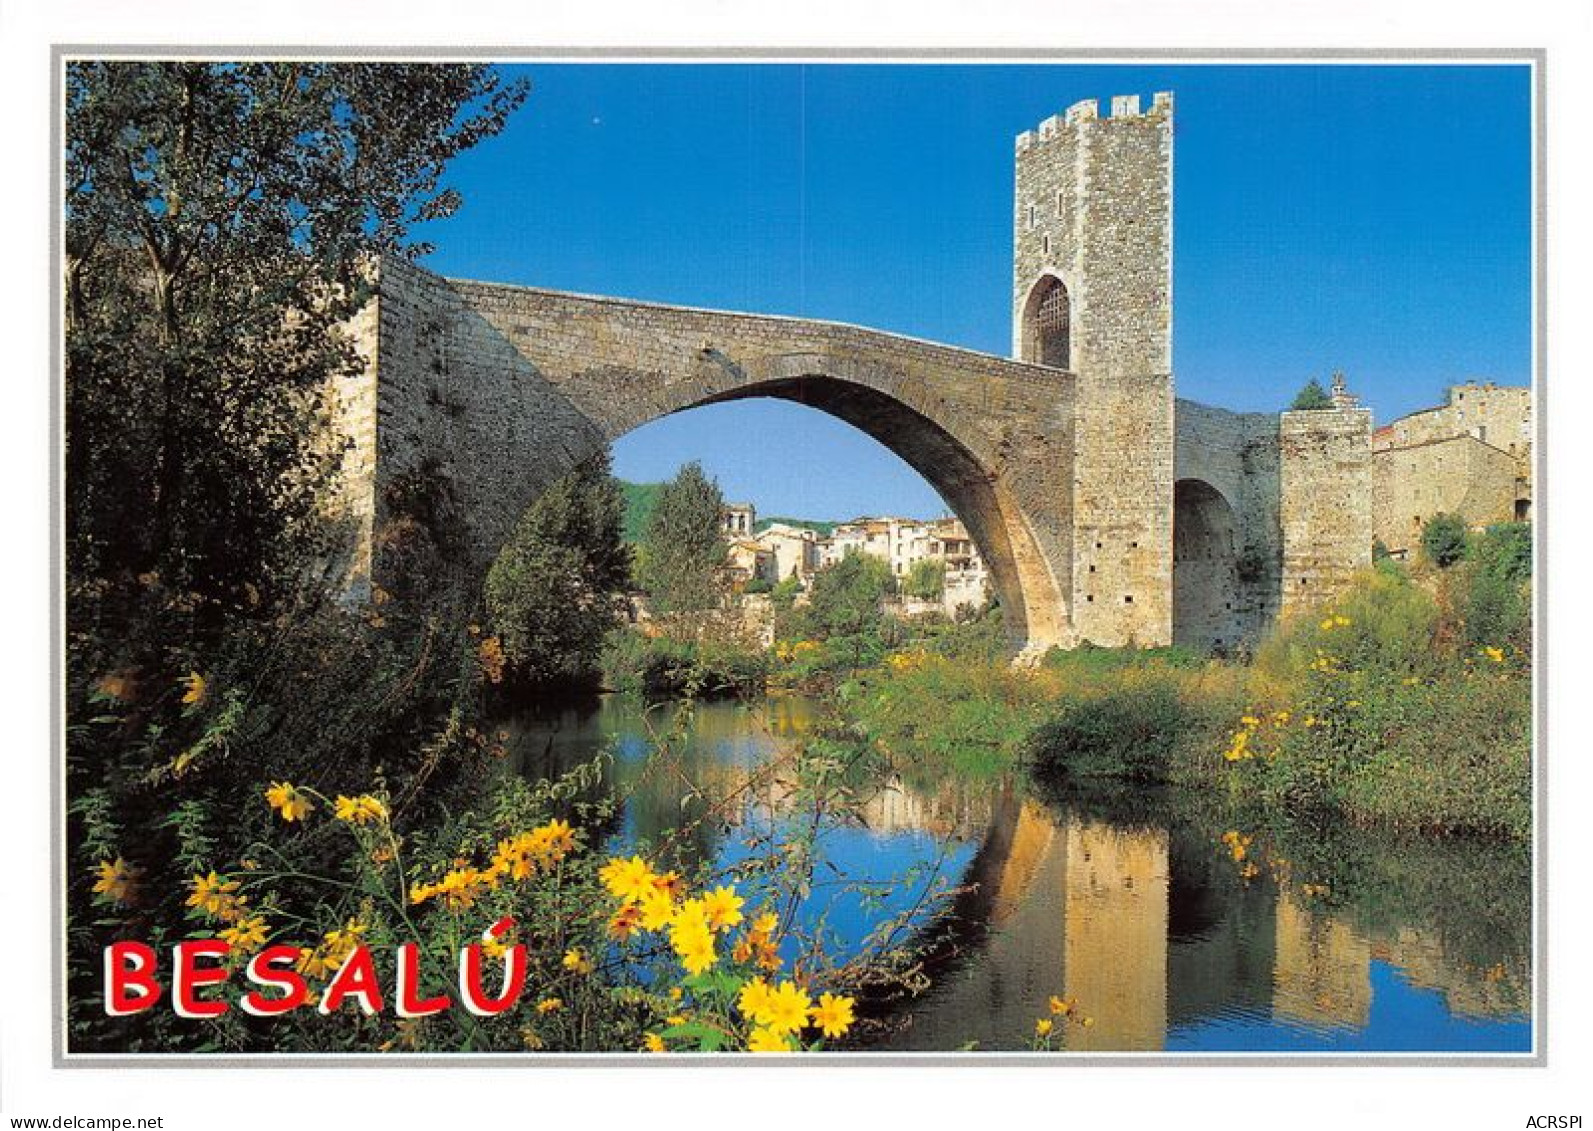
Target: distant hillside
(823,529)
(640,498)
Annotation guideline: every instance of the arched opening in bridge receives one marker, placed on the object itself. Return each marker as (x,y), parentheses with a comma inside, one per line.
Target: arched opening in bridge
(1208,613)
(1047,333)
(804,485)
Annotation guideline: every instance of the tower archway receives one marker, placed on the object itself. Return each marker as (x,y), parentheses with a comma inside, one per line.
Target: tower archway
(1047,328)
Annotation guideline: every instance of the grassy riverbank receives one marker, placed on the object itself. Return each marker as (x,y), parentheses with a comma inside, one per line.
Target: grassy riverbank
(1407,704)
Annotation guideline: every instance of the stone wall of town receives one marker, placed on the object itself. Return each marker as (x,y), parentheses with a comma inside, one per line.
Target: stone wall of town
(1470,456)
(1226,590)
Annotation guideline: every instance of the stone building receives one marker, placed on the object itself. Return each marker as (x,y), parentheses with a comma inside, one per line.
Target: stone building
(794,550)
(738,520)
(747,560)
(1470,456)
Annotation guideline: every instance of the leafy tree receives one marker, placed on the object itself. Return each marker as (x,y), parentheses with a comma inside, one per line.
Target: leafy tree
(926,579)
(557,588)
(218,219)
(682,560)
(1444,539)
(847,595)
(1496,589)
(1312,396)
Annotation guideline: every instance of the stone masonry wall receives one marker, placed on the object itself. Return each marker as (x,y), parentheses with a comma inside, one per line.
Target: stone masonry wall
(1325,503)
(1460,475)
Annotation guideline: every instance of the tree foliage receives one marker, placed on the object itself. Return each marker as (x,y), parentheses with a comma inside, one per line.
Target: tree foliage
(847,596)
(926,579)
(557,588)
(1444,539)
(682,559)
(218,219)
(1312,396)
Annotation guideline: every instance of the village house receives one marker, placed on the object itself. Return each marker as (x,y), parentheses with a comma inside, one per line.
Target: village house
(1470,456)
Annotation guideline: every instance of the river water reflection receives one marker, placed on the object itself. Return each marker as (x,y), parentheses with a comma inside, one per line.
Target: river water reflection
(1172,926)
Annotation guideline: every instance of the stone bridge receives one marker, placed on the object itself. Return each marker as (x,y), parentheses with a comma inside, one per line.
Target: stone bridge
(1105,511)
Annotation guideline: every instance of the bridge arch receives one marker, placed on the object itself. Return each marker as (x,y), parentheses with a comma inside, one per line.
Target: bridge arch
(1206,599)
(495,391)
(994,518)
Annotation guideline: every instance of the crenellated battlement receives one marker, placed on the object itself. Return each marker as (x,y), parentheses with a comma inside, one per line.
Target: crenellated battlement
(1123,106)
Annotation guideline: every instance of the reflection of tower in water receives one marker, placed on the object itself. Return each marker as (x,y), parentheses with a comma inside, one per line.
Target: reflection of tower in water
(1323,972)
(1115,935)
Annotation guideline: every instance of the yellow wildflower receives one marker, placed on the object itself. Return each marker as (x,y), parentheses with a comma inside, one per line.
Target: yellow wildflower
(555,840)
(652,1042)
(657,910)
(787,1008)
(1059,1007)
(624,921)
(196,689)
(286,799)
(493,659)
(1495,654)
(549,1005)
(246,934)
(575,961)
(118,880)
(753,1001)
(767,1040)
(361,810)
(628,880)
(314,963)
(1042,1027)
(723,908)
(461,887)
(833,1015)
(1327,624)
(212,895)
(692,940)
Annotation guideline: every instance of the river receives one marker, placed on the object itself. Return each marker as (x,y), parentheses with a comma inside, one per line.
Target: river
(1164,922)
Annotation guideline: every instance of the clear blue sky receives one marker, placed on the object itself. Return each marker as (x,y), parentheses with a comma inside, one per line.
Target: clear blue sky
(1374,219)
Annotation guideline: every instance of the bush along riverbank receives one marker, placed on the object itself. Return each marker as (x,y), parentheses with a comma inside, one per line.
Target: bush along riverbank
(1407,704)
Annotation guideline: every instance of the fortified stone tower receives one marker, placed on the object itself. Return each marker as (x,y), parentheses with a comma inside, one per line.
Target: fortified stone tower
(1092,295)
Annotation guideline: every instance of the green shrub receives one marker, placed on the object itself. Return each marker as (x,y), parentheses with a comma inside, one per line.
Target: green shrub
(1386,622)
(1444,539)
(1311,396)
(1131,732)
(662,667)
